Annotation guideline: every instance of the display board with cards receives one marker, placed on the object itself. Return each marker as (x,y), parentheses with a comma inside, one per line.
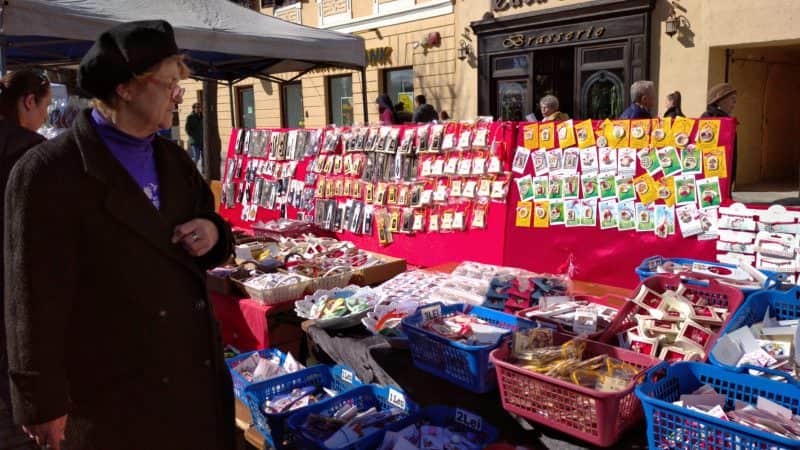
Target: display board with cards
(400,189)
(612,192)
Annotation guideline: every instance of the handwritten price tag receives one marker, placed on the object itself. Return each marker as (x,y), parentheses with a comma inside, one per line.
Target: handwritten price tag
(347,376)
(431,312)
(468,419)
(397,398)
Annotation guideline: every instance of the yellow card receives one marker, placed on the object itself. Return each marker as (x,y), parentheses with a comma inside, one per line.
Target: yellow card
(584,131)
(681,129)
(547,135)
(666,190)
(646,188)
(707,135)
(566,134)
(617,133)
(524,210)
(640,133)
(660,135)
(530,136)
(541,215)
(714,164)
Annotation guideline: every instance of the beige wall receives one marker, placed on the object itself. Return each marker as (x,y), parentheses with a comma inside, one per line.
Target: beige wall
(690,62)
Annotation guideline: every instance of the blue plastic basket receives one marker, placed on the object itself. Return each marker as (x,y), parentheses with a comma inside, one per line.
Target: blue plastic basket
(363,397)
(466,366)
(648,269)
(240,382)
(783,305)
(273,426)
(674,427)
(461,420)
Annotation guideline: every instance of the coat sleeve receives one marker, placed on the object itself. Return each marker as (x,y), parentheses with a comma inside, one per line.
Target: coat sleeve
(41,266)
(205,210)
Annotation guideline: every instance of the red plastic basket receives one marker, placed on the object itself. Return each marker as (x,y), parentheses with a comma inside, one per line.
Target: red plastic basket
(715,293)
(593,416)
(624,308)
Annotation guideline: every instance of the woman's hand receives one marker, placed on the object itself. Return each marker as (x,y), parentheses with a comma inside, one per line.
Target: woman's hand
(197,236)
(48,434)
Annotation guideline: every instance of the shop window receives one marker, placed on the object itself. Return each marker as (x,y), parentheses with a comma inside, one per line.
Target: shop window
(511,66)
(292,105)
(399,85)
(513,99)
(245,107)
(602,94)
(340,100)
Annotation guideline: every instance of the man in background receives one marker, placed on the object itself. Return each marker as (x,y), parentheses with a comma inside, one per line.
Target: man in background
(643,97)
(194,129)
(424,112)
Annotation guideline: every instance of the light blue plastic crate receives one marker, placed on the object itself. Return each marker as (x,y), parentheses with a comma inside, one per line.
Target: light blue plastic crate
(783,305)
(467,366)
(239,382)
(273,426)
(674,427)
(363,397)
(648,268)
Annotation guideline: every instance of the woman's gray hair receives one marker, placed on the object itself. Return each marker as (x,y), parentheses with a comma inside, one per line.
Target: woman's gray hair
(642,88)
(549,100)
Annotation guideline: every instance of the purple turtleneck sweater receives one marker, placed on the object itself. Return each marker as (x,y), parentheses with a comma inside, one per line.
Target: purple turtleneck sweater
(135,154)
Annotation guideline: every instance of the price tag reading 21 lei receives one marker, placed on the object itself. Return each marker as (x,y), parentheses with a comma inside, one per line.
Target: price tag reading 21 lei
(468,419)
(431,312)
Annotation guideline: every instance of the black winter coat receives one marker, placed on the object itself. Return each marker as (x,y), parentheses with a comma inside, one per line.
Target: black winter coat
(14,142)
(108,321)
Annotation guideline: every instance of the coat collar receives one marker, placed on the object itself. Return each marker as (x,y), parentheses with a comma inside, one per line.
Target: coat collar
(126,201)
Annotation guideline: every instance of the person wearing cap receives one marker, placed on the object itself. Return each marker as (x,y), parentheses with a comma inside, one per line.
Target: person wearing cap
(721,103)
(112,341)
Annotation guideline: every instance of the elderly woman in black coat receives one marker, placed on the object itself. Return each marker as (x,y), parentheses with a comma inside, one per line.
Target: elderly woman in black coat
(112,342)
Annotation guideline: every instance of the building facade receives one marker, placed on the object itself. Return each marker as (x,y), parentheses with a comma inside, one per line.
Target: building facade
(498,57)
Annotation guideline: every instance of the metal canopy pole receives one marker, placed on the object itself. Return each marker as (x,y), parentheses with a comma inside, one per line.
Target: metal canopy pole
(364,94)
(230,98)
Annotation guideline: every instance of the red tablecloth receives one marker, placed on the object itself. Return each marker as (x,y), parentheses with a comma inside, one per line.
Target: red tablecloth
(247,324)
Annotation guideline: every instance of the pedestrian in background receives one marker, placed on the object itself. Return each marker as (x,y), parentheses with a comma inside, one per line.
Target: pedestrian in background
(386,110)
(194,130)
(674,105)
(549,105)
(643,98)
(403,116)
(424,113)
(24,97)
(721,103)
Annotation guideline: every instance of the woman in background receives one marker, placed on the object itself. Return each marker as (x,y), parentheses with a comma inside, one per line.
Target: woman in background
(674,105)
(24,97)
(386,110)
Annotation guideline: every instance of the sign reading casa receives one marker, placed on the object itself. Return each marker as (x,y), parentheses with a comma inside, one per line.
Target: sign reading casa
(523,40)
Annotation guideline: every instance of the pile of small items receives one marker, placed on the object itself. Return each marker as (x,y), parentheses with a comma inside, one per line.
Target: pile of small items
(297,398)
(764,344)
(515,291)
(464,328)
(672,325)
(265,281)
(533,350)
(336,303)
(764,416)
(575,315)
(348,424)
(431,437)
(255,368)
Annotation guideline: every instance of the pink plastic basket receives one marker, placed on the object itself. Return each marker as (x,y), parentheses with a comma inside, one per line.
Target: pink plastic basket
(593,416)
(715,294)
